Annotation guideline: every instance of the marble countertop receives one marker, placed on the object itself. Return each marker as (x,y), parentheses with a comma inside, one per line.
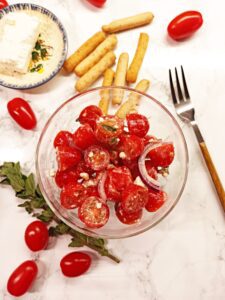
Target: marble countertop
(183,257)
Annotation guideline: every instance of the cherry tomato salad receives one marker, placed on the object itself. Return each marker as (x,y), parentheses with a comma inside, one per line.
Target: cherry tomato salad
(111,160)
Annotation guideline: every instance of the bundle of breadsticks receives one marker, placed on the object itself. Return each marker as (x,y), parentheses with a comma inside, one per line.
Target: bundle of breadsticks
(95,58)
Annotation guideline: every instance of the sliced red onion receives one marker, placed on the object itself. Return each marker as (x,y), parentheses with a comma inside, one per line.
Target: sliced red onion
(101,187)
(151,182)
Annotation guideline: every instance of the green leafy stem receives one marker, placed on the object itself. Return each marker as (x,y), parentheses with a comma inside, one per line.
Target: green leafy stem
(35,204)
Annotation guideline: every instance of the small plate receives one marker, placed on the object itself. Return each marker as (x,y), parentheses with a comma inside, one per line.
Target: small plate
(54,35)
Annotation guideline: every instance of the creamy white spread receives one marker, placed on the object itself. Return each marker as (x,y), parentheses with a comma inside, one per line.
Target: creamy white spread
(18,36)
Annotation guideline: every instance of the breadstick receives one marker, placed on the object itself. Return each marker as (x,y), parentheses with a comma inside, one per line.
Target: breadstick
(128,23)
(107,45)
(133,99)
(83,51)
(120,78)
(105,94)
(95,72)
(135,66)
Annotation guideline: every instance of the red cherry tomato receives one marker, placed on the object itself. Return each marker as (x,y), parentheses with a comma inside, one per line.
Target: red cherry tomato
(127,218)
(162,156)
(117,180)
(89,115)
(36,236)
(131,145)
(108,128)
(184,25)
(71,195)
(155,200)
(98,3)
(133,167)
(64,138)
(84,137)
(96,157)
(75,264)
(149,139)
(62,178)
(93,212)
(21,279)
(3,3)
(21,111)
(134,198)
(67,157)
(137,124)
(152,171)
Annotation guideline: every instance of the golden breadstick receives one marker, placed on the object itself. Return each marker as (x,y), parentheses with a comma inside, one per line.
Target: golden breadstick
(83,51)
(95,72)
(105,94)
(135,66)
(128,23)
(133,99)
(120,78)
(107,45)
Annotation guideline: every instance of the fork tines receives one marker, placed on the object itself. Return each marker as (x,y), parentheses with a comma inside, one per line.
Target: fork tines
(179,91)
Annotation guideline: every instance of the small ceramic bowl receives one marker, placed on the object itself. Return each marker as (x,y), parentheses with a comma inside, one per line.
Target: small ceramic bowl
(162,124)
(54,36)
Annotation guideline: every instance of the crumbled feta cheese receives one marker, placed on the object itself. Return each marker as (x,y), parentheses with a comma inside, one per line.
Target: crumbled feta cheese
(91,154)
(52,173)
(98,205)
(84,175)
(138,181)
(122,155)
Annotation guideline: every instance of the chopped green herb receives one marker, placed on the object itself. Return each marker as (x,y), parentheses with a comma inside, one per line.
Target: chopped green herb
(36,68)
(38,45)
(109,128)
(35,56)
(44,53)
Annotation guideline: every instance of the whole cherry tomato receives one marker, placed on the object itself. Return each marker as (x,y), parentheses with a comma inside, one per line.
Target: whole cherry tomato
(137,124)
(162,156)
(21,279)
(22,113)
(84,137)
(64,138)
(98,3)
(75,264)
(67,157)
(184,25)
(3,4)
(89,115)
(36,236)
(127,218)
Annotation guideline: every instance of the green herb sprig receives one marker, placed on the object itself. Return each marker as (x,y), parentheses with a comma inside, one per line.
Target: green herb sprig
(35,204)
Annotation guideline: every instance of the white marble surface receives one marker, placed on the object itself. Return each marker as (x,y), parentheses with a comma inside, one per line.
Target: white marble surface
(183,257)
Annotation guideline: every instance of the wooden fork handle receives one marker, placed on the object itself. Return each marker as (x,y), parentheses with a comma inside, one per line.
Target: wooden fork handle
(214,175)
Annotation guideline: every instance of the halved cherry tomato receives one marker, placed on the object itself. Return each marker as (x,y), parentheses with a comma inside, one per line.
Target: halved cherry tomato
(75,264)
(96,157)
(137,124)
(84,137)
(21,279)
(155,200)
(184,25)
(67,157)
(21,111)
(151,169)
(117,180)
(89,115)
(36,236)
(93,212)
(3,3)
(71,195)
(131,145)
(62,178)
(127,218)
(64,138)
(108,128)
(162,156)
(134,198)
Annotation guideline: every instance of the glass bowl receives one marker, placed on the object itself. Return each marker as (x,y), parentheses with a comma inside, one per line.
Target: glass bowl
(162,125)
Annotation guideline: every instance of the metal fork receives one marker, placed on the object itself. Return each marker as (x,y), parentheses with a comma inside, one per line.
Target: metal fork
(185,110)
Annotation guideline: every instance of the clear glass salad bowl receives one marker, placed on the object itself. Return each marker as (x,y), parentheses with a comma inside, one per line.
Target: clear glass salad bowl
(162,125)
